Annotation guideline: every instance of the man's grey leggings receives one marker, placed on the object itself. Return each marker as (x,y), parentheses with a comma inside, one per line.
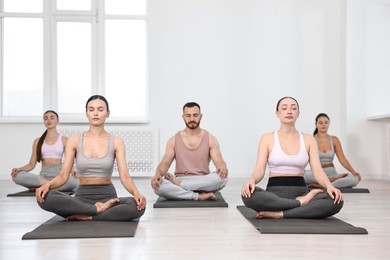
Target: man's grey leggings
(191,186)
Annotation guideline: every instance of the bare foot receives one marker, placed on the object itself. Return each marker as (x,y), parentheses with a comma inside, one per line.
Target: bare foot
(172,178)
(101,207)
(338,177)
(79,217)
(269,214)
(207,196)
(308,197)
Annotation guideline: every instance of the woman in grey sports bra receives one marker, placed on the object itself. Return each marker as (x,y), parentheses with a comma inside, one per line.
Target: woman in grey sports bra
(96,197)
(328,147)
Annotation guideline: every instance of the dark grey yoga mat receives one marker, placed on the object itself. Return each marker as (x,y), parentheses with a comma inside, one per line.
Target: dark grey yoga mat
(58,227)
(354,190)
(330,225)
(164,203)
(28,193)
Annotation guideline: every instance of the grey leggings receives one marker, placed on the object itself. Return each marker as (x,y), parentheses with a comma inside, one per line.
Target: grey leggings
(190,186)
(348,181)
(83,203)
(32,181)
(283,198)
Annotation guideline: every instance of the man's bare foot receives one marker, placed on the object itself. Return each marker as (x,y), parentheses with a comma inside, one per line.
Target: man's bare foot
(269,214)
(308,197)
(79,217)
(101,207)
(338,177)
(207,196)
(172,178)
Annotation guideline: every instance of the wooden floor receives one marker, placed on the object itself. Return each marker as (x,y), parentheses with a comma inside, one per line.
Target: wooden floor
(200,233)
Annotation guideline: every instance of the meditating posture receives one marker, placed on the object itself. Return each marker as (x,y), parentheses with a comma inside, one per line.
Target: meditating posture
(95,151)
(287,152)
(192,148)
(47,150)
(328,146)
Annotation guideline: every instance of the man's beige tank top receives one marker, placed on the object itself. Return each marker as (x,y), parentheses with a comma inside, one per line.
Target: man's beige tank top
(192,161)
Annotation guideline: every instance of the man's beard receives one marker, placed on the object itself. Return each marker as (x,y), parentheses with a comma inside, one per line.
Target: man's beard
(192,125)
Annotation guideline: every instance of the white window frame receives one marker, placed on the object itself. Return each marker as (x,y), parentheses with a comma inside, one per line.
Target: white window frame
(50,19)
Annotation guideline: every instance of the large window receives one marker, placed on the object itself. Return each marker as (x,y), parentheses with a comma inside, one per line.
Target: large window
(56,53)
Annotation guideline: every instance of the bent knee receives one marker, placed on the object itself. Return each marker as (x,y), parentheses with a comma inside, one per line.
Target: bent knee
(223,183)
(139,213)
(158,191)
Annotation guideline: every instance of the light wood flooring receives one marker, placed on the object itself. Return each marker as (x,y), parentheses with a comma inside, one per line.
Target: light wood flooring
(200,233)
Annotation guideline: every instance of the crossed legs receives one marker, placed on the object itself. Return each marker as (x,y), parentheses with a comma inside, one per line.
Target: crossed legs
(191,187)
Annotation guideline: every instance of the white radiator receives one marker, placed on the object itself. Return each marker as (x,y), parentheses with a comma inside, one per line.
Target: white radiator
(141,146)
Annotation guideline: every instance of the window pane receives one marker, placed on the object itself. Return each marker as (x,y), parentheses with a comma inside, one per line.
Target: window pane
(126,67)
(134,7)
(74,66)
(82,5)
(23,6)
(23,67)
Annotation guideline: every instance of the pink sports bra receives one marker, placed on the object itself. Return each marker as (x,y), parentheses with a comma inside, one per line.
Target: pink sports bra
(280,162)
(55,150)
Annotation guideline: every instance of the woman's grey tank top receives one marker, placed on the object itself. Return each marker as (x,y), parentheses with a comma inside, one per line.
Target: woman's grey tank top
(327,158)
(101,167)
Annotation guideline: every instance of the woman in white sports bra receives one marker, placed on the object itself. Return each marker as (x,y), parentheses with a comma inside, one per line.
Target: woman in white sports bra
(95,151)
(287,152)
(328,147)
(47,150)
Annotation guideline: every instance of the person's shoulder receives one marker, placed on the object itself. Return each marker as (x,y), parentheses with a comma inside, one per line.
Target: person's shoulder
(64,138)
(118,141)
(268,135)
(177,133)
(171,140)
(73,138)
(335,139)
(35,142)
(308,137)
(208,133)
(116,138)
(72,141)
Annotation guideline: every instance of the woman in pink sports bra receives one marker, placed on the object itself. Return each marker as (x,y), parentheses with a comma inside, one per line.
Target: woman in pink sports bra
(287,152)
(47,150)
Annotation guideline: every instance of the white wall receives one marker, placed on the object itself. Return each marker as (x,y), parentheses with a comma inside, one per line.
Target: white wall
(236,59)
(368,80)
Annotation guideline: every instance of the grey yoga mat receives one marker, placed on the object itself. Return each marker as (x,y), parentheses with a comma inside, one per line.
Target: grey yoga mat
(330,225)
(164,203)
(354,190)
(28,193)
(58,227)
